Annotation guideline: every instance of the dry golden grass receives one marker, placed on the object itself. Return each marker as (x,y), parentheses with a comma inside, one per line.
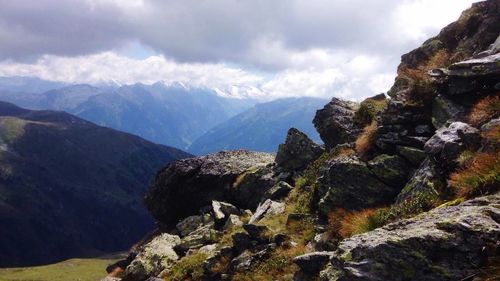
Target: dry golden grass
(356,223)
(480,176)
(492,135)
(343,224)
(484,110)
(365,141)
(437,60)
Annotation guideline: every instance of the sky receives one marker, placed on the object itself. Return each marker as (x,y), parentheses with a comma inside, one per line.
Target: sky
(258,48)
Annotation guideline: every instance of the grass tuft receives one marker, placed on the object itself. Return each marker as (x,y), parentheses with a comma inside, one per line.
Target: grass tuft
(484,110)
(365,141)
(481,176)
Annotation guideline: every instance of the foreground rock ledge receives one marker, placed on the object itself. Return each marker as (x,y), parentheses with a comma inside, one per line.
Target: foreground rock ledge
(447,243)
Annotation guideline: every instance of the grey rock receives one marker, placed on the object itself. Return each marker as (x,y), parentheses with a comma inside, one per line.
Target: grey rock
(200,237)
(449,142)
(391,169)
(447,243)
(278,191)
(445,109)
(334,122)
(241,242)
(297,151)
(222,210)
(260,233)
(244,261)
(208,249)
(427,179)
(232,221)
(488,65)
(268,208)
(185,186)
(189,225)
(348,183)
(313,262)
(250,187)
(154,257)
(413,155)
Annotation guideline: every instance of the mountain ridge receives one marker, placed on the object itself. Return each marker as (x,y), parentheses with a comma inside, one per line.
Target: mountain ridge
(64,181)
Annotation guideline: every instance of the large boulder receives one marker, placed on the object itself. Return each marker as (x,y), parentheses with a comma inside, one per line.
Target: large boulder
(183,187)
(447,243)
(297,151)
(348,183)
(334,122)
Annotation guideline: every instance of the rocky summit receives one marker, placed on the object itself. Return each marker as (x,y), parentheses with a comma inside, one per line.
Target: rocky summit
(404,188)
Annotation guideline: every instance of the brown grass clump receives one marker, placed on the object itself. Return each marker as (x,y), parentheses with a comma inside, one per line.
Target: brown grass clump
(343,224)
(365,141)
(480,176)
(484,110)
(492,135)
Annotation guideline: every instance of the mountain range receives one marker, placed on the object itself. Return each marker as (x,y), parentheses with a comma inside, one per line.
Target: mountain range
(69,187)
(189,118)
(262,127)
(173,115)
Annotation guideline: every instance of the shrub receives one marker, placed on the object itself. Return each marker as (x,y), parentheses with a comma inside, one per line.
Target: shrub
(367,111)
(365,141)
(480,176)
(484,110)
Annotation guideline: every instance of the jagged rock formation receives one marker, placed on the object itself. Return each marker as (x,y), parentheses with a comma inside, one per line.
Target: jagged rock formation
(334,122)
(297,151)
(399,212)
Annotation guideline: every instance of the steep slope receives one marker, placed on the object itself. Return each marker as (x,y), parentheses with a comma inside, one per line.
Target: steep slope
(70,188)
(262,127)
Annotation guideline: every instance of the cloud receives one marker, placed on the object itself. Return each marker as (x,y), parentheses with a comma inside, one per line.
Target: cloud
(354,79)
(348,48)
(262,33)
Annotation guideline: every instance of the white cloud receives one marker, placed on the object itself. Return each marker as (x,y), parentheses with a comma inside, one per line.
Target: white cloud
(261,48)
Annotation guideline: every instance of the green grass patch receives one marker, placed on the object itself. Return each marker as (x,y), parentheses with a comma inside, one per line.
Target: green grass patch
(68,270)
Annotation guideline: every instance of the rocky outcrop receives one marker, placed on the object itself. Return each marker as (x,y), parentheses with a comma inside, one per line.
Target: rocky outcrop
(334,122)
(348,183)
(183,187)
(448,243)
(297,151)
(398,195)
